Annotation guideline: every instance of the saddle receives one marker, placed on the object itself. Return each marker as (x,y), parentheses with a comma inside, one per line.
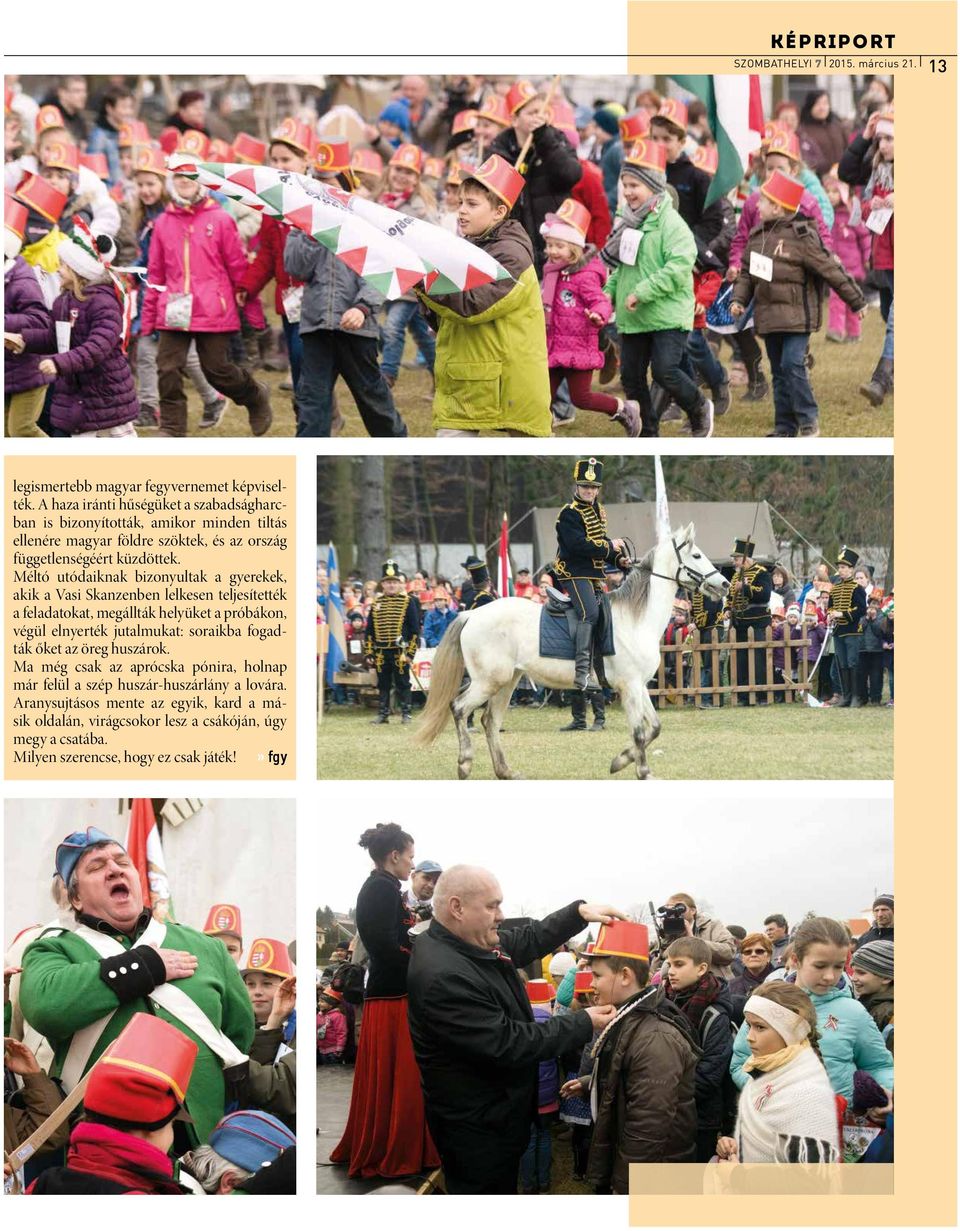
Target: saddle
(558,625)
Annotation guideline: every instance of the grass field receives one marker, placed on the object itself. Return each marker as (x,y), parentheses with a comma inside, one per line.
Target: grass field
(782,741)
(838,372)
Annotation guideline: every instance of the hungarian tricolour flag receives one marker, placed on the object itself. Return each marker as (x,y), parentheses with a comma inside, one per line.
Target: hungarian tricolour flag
(735,115)
(504,575)
(337,642)
(144,848)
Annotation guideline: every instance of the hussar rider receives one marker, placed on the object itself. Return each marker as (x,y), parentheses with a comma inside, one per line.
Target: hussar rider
(584,550)
(393,634)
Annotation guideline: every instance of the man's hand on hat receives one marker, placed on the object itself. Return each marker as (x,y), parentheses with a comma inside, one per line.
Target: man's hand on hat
(284,1002)
(177,963)
(590,913)
(18,1058)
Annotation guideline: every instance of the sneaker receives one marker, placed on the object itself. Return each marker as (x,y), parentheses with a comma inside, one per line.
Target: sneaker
(563,414)
(149,416)
(213,412)
(628,416)
(810,429)
(737,374)
(721,397)
(757,391)
(672,413)
(261,413)
(701,419)
(831,336)
(780,435)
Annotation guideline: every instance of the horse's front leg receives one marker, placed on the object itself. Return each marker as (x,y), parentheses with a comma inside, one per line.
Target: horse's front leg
(492,718)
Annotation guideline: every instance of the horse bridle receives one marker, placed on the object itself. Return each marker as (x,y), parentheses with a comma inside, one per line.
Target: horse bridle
(695,577)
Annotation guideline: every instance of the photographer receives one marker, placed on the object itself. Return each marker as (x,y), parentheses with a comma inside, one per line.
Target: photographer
(723,946)
(460,93)
(423,881)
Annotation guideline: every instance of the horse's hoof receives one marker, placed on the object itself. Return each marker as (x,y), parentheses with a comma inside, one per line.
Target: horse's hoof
(463,769)
(512,776)
(619,763)
(644,774)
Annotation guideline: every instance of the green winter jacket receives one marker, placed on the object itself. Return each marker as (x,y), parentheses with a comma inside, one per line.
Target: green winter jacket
(491,366)
(661,277)
(61,991)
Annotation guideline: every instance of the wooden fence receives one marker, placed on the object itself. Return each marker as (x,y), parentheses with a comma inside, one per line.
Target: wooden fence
(706,672)
(701,673)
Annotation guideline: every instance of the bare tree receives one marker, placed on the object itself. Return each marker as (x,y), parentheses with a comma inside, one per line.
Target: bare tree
(371,525)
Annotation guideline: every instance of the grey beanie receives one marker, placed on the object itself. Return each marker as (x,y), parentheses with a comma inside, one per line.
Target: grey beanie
(655,180)
(876,957)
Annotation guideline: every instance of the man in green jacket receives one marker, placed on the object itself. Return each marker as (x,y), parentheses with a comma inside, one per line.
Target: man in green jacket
(652,252)
(81,988)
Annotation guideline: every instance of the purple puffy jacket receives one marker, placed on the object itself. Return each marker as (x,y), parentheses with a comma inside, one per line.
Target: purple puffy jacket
(26,313)
(568,293)
(93,388)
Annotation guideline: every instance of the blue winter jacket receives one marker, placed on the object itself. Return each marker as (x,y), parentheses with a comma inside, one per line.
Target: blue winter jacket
(435,624)
(849,1040)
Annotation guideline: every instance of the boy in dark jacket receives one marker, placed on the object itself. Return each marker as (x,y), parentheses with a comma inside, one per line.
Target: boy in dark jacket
(871,969)
(783,268)
(644,1064)
(706,1004)
(876,631)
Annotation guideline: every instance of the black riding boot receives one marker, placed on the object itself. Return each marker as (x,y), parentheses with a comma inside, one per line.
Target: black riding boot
(582,656)
(578,711)
(599,711)
(384,715)
(846,686)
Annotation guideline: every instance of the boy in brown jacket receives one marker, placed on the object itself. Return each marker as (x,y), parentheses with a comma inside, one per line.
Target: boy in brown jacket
(642,1088)
(783,267)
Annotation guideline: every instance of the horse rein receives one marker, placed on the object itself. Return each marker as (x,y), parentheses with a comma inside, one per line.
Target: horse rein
(695,578)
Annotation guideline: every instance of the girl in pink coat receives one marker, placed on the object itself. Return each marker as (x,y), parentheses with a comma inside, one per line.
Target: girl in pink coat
(576,309)
(196,266)
(851,246)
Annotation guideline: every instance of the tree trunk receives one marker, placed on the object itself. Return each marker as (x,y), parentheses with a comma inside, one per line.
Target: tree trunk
(344,526)
(469,504)
(420,464)
(371,516)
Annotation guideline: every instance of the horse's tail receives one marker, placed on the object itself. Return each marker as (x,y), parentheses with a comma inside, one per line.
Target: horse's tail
(445,677)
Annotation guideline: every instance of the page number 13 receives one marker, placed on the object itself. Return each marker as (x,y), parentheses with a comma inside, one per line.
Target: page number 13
(937,66)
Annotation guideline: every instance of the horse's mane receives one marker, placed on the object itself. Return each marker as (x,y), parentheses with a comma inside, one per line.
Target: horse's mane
(636,585)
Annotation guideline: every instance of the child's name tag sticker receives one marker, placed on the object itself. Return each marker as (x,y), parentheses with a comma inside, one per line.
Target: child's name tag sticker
(629,246)
(878,220)
(761,267)
(178,310)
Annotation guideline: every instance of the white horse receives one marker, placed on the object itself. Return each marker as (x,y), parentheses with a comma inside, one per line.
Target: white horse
(498,643)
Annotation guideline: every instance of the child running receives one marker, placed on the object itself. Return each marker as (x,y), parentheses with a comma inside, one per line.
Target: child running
(576,310)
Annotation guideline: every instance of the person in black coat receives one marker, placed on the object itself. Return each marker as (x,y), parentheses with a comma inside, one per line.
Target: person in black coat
(882,921)
(550,165)
(474,1035)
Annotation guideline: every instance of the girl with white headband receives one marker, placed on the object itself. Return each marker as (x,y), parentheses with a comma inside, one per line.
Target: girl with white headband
(787,1111)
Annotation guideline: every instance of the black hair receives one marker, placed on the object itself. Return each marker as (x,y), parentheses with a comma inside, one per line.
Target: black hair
(808,104)
(384,838)
(736,930)
(777,919)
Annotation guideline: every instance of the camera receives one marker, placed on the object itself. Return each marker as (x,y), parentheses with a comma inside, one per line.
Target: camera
(670,921)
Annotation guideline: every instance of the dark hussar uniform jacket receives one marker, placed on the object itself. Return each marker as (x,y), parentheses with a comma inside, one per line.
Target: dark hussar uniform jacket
(583,545)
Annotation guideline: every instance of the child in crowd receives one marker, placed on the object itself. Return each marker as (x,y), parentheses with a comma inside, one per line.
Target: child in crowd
(874,630)
(536,1162)
(367,168)
(491,365)
(331,1027)
(789,1113)
(406,192)
(198,261)
(785,629)
(450,207)
(780,152)
(27,316)
(576,988)
(642,1085)
(871,969)
(576,310)
(652,253)
(851,245)
(784,267)
(706,1004)
(849,1038)
(93,393)
(338,333)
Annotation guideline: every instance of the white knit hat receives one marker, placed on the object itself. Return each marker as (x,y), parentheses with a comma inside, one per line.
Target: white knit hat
(88,255)
(790,1026)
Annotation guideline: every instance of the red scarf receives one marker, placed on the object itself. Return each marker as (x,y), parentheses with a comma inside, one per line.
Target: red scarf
(98,1149)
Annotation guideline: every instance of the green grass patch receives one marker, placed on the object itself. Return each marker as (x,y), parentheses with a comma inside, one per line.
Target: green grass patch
(777,741)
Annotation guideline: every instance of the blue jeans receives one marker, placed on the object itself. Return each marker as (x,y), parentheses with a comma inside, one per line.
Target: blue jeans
(884,281)
(291,333)
(536,1160)
(401,315)
(793,401)
(704,360)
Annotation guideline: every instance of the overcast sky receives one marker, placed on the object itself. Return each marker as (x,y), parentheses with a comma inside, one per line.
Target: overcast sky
(746,856)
